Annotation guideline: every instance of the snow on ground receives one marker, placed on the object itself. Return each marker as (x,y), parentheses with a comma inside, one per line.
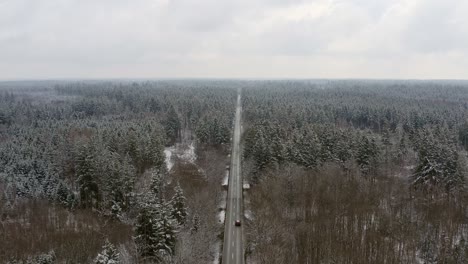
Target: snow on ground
(168,154)
(248,215)
(188,154)
(180,151)
(226,179)
(246,186)
(217,249)
(221,216)
(222,202)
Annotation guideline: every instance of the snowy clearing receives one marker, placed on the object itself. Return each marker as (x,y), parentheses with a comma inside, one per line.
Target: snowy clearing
(185,153)
(188,154)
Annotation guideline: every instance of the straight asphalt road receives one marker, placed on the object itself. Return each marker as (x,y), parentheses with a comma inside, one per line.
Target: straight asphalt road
(233,251)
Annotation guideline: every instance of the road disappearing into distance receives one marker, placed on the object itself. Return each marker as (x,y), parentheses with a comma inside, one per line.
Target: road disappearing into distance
(233,250)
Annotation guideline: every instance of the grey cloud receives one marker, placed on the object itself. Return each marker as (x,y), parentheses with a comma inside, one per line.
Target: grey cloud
(436,26)
(212,38)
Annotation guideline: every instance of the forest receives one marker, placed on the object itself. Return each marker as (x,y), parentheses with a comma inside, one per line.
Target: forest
(341,171)
(357,171)
(84,175)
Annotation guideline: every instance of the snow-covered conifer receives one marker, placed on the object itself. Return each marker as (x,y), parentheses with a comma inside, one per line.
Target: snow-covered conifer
(178,205)
(108,255)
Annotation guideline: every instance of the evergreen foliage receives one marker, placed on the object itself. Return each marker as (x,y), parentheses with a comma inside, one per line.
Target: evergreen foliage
(87,178)
(108,255)
(438,165)
(178,205)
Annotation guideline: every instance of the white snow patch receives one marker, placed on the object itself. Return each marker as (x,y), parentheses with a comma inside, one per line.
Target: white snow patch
(183,152)
(222,201)
(188,154)
(226,179)
(217,248)
(248,215)
(222,205)
(169,161)
(221,216)
(246,186)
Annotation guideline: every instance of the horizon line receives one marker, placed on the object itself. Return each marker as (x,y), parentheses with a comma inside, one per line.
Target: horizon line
(74,79)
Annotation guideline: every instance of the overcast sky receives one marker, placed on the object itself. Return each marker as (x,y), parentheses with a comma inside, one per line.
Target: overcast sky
(423,39)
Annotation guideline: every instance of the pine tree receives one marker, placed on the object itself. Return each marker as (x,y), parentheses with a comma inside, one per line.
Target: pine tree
(343,151)
(463,134)
(402,150)
(128,174)
(306,149)
(145,231)
(221,132)
(453,178)
(202,131)
(89,189)
(155,232)
(166,232)
(64,196)
(157,185)
(110,174)
(156,153)
(154,106)
(261,151)
(367,155)
(328,142)
(108,255)
(179,209)
(387,146)
(277,146)
(133,149)
(172,125)
(155,228)
(427,173)
(438,166)
(386,138)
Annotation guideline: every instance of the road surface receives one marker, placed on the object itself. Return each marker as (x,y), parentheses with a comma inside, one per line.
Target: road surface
(233,250)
